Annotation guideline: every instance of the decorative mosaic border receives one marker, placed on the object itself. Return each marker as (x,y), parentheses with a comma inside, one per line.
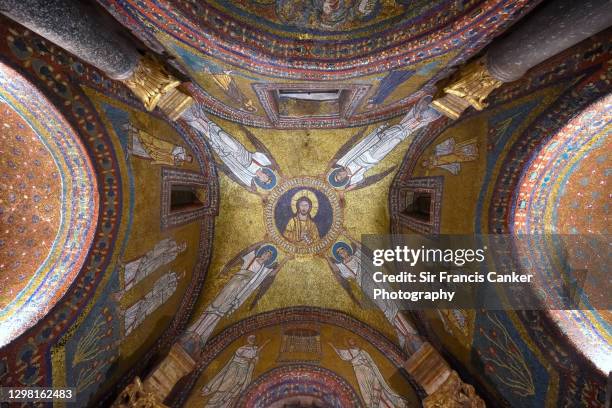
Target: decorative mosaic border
(171,176)
(315,380)
(53,72)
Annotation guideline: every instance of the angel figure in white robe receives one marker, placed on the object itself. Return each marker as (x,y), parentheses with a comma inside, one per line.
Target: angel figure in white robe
(349,170)
(229,383)
(347,265)
(374,389)
(246,168)
(449,155)
(164,252)
(258,270)
(162,290)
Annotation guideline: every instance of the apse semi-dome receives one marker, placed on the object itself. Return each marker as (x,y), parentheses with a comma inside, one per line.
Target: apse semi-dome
(565,193)
(307,39)
(48,205)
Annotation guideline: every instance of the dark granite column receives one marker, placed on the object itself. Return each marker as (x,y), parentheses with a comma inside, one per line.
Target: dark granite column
(78,30)
(554,27)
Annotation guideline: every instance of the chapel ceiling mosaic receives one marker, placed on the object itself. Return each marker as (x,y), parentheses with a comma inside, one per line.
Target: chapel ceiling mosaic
(281,287)
(296,206)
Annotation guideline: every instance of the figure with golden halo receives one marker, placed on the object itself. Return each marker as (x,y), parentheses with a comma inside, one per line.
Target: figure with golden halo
(301,229)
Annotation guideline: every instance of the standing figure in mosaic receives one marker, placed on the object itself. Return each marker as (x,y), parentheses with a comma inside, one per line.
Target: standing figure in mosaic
(163,288)
(374,389)
(449,155)
(164,252)
(347,265)
(247,168)
(229,383)
(257,265)
(349,171)
(145,145)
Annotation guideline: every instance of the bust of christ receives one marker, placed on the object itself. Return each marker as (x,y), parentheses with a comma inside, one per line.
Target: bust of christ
(301,229)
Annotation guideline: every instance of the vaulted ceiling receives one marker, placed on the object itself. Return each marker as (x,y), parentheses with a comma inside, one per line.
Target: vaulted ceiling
(296,87)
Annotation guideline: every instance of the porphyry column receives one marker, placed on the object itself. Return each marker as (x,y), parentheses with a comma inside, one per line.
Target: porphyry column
(77,29)
(556,26)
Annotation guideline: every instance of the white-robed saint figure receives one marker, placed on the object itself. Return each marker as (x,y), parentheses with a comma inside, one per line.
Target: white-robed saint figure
(164,252)
(248,168)
(449,155)
(374,389)
(349,171)
(350,267)
(229,383)
(162,290)
(257,265)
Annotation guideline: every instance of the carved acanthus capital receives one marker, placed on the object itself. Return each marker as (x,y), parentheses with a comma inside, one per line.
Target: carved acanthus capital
(442,385)
(473,86)
(155,86)
(454,393)
(135,396)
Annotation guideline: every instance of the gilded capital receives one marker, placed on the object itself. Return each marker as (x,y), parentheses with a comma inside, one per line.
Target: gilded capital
(155,86)
(473,86)
(454,393)
(135,396)
(440,382)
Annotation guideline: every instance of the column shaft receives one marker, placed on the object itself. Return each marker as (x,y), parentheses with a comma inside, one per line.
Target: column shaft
(551,29)
(75,28)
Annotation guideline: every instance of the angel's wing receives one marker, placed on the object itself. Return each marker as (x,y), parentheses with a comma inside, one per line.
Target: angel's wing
(265,285)
(236,260)
(375,178)
(346,147)
(260,147)
(225,170)
(345,285)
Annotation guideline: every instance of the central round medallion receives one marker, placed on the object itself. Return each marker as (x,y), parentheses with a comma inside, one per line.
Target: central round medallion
(303,215)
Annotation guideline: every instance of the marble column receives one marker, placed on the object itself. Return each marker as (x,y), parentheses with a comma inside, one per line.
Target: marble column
(80,30)
(550,29)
